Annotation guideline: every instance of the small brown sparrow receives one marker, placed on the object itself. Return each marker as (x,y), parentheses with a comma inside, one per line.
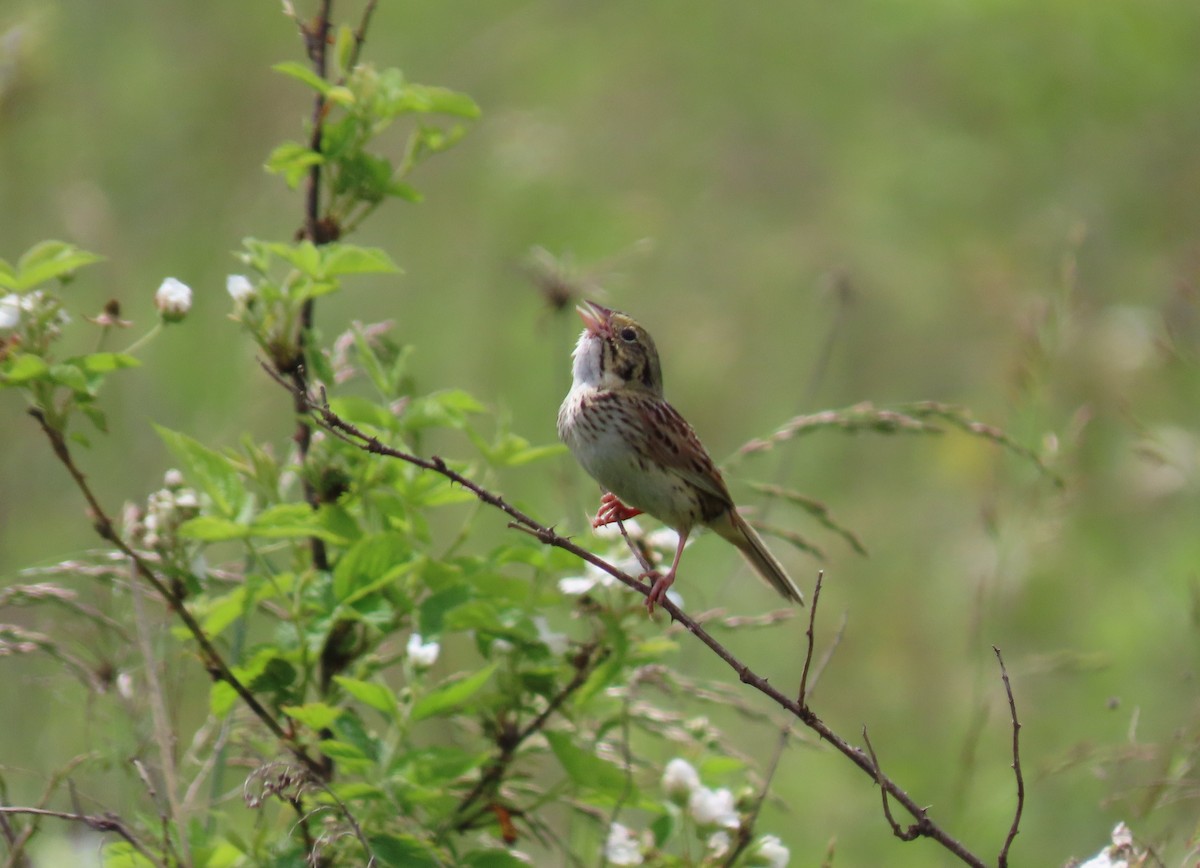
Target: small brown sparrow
(644,454)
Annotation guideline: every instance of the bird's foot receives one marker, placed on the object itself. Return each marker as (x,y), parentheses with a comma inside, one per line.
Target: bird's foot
(611,510)
(658,589)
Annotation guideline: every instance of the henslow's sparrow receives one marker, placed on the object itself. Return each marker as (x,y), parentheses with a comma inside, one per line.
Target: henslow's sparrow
(644,454)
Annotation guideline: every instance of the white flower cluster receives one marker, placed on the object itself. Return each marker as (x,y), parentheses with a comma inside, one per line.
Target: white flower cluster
(166,509)
(32,306)
(714,813)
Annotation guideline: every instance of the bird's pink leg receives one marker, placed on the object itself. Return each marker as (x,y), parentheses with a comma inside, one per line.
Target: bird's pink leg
(611,509)
(659,589)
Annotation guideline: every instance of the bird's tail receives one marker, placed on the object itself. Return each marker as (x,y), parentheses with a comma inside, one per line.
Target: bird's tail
(735,529)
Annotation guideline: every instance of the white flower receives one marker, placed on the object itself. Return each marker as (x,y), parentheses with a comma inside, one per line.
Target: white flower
(592,576)
(622,848)
(173,300)
(718,843)
(10,312)
(1119,854)
(772,849)
(173,478)
(422,654)
(239,287)
(713,808)
(679,779)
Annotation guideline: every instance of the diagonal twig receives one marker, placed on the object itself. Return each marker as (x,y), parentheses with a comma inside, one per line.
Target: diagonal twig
(924,827)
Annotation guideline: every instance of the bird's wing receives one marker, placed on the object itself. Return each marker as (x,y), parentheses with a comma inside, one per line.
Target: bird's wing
(672,443)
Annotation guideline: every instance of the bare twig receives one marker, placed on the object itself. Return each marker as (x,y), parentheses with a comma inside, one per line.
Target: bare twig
(900,832)
(95,822)
(802,697)
(1002,859)
(745,832)
(924,827)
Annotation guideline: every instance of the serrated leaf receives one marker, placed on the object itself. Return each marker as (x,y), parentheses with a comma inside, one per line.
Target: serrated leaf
(315,715)
(584,768)
(24,368)
(448,697)
(372,560)
(377,696)
(48,260)
(300,72)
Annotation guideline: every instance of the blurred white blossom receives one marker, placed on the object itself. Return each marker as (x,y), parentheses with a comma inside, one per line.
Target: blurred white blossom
(718,843)
(772,850)
(622,848)
(713,808)
(422,654)
(239,287)
(1118,854)
(173,300)
(680,779)
(10,312)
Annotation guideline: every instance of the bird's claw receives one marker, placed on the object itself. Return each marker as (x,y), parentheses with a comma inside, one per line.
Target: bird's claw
(612,510)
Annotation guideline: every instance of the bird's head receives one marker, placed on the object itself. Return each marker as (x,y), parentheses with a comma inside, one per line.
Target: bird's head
(614,352)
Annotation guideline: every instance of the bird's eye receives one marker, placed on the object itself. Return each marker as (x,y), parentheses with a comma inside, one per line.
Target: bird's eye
(628,335)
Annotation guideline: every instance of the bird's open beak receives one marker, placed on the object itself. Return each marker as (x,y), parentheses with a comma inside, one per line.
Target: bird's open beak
(596,318)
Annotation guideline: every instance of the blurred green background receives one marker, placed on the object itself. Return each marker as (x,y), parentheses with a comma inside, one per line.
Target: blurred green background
(809,205)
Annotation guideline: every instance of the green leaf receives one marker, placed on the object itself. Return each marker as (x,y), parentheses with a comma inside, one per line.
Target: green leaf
(122,854)
(103,363)
(293,160)
(584,768)
(24,368)
(212,528)
(208,469)
(377,696)
(300,72)
(314,715)
(372,560)
(343,752)
(402,851)
(448,697)
(70,376)
(49,260)
(339,259)
(8,277)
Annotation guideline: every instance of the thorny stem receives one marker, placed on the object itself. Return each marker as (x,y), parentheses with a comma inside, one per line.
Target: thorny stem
(1002,859)
(508,742)
(211,658)
(923,827)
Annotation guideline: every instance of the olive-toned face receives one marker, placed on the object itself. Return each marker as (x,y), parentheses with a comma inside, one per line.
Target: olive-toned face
(615,352)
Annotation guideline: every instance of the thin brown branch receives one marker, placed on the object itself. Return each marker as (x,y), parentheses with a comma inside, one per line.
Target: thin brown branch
(924,827)
(509,741)
(95,822)
(745,832)
(899,831)
(211,658)
(802,697)
(1002,859)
